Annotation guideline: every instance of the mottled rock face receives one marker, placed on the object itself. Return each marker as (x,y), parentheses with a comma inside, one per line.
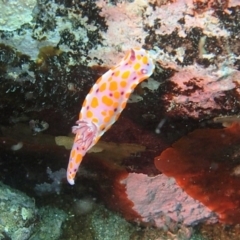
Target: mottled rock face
(17,214)
(46,60)
(38,77)
(149,200)
(196,93)
(53,56)
(205,164)
(161,202)
(15,14)
(47,89)
(20,217)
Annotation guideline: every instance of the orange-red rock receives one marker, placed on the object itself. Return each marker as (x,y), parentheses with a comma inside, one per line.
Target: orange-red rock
(206,164)
(155,200)
(108,178)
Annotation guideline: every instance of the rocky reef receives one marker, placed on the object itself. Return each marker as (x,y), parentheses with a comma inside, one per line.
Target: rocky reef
(22,220)
(169,165)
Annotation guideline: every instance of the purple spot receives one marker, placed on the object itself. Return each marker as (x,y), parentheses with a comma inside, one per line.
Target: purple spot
(122,92)
(77,148)
(97,90)
(110,94)
(87,107)
(134,78)
(115,109)
(75,170)
(83,148)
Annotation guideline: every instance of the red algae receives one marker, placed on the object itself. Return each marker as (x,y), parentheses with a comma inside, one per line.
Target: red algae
(206,164)
(110,175)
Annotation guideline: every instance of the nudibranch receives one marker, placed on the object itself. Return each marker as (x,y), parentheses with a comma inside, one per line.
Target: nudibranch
(105,102)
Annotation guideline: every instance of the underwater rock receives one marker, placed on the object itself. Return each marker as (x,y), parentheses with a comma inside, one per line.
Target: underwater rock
(50,226)
(15,13)
(197,92)
(19,217)
(155,201)
(47,68)
(101,224)
(161,202)
(205,164)
(18,214)
(48,64)
(107,225)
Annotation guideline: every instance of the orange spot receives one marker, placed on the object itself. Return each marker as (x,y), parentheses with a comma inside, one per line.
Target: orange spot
(99,80)
(71,165)
(94,102)
(113,86)
(136,66)
(115,105)
(89,114)
(96,139)
(104,113)
(91,90)
(102,87)
(78,158)
(73,152)
(102,127)
(124,105)
(123,84)
(107,100)
(133,86)
(107,119)
(126,74)
(110,79)
(110,112)
(145,60)
(116,95)
(127,95)
(80,115)
(95,120)
(117,116)
(71,176)
(116,73)
(84,103)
